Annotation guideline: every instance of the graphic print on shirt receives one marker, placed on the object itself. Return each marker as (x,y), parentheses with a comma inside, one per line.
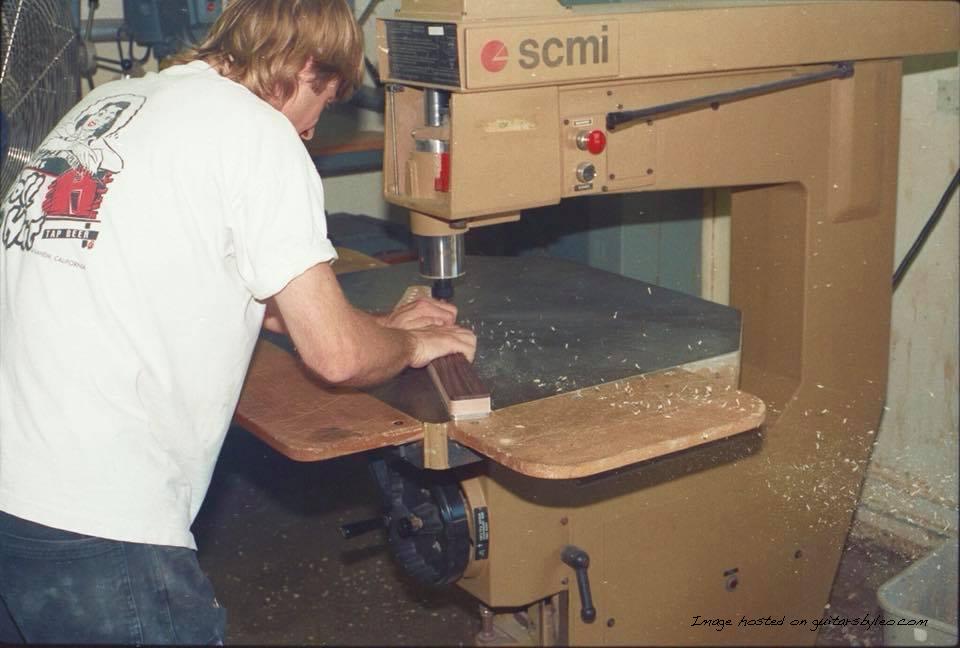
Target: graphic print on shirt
(59,193)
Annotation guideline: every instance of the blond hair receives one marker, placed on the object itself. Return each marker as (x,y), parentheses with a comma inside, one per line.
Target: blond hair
(264,44)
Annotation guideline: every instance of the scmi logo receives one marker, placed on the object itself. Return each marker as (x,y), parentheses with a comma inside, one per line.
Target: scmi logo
(494,56)
(576,50)
(554,52)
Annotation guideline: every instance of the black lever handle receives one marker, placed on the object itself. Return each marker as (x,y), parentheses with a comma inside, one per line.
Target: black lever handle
(841,70)
(354,529)
(579,560)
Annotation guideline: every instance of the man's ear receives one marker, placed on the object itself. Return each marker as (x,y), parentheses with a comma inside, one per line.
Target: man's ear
(306,72)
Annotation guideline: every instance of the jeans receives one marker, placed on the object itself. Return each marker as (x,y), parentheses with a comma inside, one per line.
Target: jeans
(66,588)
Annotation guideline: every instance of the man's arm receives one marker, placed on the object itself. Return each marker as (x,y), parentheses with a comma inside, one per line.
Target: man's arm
(347,346)
(419,313)
(272,320)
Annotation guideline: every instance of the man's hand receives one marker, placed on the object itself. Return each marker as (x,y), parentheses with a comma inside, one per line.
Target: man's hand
(420,313)
(431,323)
(437,341)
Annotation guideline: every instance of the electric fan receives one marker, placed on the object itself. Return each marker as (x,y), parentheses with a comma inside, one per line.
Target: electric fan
(39,78)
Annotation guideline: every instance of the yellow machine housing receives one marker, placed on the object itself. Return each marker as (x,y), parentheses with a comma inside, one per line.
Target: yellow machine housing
(750,528)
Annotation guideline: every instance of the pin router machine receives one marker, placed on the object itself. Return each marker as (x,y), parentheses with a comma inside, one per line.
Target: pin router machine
(650,457)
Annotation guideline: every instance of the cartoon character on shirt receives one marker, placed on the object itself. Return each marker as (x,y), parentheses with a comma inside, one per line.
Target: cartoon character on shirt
(84,147)
(74,165)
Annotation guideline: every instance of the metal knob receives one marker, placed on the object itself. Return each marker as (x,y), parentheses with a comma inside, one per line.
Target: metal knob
(586,172)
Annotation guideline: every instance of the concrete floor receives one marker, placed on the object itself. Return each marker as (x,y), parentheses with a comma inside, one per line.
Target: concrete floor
(269,540)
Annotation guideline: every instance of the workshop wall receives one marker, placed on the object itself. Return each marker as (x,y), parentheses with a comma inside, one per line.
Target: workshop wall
(360,193)
(651,236)
(111,9)
(911,487)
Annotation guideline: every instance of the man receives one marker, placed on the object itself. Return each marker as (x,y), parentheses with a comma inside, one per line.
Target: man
(140,248)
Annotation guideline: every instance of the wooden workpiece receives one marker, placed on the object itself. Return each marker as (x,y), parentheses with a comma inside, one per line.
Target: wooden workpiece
(463,393)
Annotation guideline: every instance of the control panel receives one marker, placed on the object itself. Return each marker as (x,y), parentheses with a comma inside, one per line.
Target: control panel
(584,153)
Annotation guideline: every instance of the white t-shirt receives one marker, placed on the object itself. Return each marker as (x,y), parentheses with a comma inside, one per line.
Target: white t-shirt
(132,252)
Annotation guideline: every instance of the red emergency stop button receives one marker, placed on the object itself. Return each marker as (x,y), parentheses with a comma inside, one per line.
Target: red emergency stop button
(594,141)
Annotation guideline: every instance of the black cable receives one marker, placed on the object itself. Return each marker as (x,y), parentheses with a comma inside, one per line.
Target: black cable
(146,56)
(135,59)
(372,71)
(925,232)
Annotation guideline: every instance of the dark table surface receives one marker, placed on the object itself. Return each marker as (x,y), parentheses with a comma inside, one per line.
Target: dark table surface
(547,326)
